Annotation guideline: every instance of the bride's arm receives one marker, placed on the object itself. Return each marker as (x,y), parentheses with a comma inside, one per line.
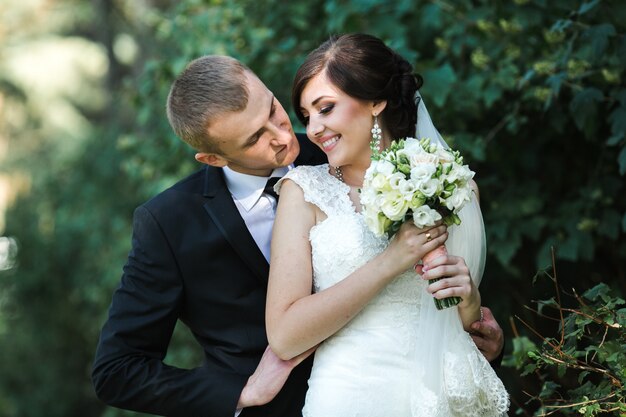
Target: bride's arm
(298,320)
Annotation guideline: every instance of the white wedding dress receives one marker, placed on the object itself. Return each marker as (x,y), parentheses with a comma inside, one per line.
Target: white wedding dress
(376,365)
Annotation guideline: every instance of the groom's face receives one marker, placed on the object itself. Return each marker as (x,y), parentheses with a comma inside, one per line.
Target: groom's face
(257,139)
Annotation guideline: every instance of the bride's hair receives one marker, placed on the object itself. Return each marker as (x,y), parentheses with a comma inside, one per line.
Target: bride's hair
(363,67)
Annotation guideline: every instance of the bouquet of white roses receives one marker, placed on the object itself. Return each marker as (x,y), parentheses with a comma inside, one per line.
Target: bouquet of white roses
(418,180)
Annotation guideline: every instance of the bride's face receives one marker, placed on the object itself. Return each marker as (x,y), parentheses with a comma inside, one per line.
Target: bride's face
(338,123)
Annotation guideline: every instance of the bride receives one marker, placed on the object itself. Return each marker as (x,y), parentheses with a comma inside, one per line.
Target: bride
(384,350)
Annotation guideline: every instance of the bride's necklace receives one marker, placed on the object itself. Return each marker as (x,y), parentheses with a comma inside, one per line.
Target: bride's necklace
(338,174)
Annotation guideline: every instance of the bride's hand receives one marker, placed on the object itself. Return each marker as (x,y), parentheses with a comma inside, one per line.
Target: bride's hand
(411,243)
(455,281)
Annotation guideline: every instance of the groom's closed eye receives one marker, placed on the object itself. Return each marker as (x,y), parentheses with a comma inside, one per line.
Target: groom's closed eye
(254,138)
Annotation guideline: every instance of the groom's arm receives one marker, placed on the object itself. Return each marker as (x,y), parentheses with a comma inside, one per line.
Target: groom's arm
(129,371)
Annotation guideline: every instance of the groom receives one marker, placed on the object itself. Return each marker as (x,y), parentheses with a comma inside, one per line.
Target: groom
(200,253)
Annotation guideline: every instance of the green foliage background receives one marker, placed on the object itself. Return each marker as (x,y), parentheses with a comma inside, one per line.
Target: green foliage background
(531,91)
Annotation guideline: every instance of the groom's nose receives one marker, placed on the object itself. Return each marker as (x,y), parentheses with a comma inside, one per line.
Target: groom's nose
(282,135)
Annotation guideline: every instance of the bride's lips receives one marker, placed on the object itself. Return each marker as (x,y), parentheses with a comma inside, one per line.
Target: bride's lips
(329,142)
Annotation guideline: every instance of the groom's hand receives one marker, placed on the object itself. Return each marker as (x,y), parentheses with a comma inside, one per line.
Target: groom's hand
(268,378)
(488,335)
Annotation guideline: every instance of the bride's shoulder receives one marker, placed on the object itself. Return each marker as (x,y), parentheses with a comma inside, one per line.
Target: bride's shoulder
(307,174)
(309,170)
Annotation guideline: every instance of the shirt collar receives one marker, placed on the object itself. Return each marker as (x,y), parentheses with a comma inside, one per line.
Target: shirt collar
(246,188)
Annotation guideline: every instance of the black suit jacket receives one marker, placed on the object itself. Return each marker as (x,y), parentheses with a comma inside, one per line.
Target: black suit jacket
(192,259)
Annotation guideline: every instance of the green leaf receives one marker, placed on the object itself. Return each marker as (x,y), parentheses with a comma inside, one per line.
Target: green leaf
(615,139)
(584,106)
(585,7)
(598,37)
(507,248)
(610,224)
(569,249)
(598,291)
(621,50)
(491,94)
(555,82)
(431,16)
(622,161)
(618,120)
(439,82)
(621,97)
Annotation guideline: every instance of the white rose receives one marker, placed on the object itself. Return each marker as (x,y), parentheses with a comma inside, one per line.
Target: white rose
(425,216)
(371,170)
(377,222)
(380,182)
(385,167)
(444,155)
(368,196)
(422,157)
(423,172)
(394,206)
(429,188)
(412,145)
(459,197)
(459,173)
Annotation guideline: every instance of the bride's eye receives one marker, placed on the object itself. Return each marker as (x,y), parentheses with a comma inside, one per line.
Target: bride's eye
(327,109)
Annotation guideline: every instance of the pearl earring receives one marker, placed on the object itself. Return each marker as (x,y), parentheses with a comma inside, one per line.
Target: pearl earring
(376,136)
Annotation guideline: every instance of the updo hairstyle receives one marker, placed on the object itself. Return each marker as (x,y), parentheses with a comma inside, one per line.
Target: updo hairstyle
(363,67)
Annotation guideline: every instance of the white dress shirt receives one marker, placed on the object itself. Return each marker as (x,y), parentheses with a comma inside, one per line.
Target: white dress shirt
(256,208)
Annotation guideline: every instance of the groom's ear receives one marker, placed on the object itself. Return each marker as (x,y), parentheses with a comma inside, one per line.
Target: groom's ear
(212,159)
(378,106)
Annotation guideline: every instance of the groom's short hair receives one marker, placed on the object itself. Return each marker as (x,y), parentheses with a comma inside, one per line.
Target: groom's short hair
(208,87)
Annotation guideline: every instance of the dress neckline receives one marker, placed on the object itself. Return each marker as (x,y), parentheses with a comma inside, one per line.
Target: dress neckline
(345,188)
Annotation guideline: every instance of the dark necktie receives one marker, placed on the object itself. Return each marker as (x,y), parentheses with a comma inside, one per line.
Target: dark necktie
(269,187)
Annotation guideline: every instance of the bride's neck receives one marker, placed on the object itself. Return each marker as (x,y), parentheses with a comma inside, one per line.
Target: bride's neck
(353,176)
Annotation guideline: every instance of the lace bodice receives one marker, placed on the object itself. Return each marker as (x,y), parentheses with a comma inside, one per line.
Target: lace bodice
(373,361)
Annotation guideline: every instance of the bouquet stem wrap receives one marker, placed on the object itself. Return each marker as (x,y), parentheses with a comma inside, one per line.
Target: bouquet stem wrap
(444,302)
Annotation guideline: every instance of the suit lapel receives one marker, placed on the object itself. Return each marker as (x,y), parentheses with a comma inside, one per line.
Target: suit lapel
(220,206)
